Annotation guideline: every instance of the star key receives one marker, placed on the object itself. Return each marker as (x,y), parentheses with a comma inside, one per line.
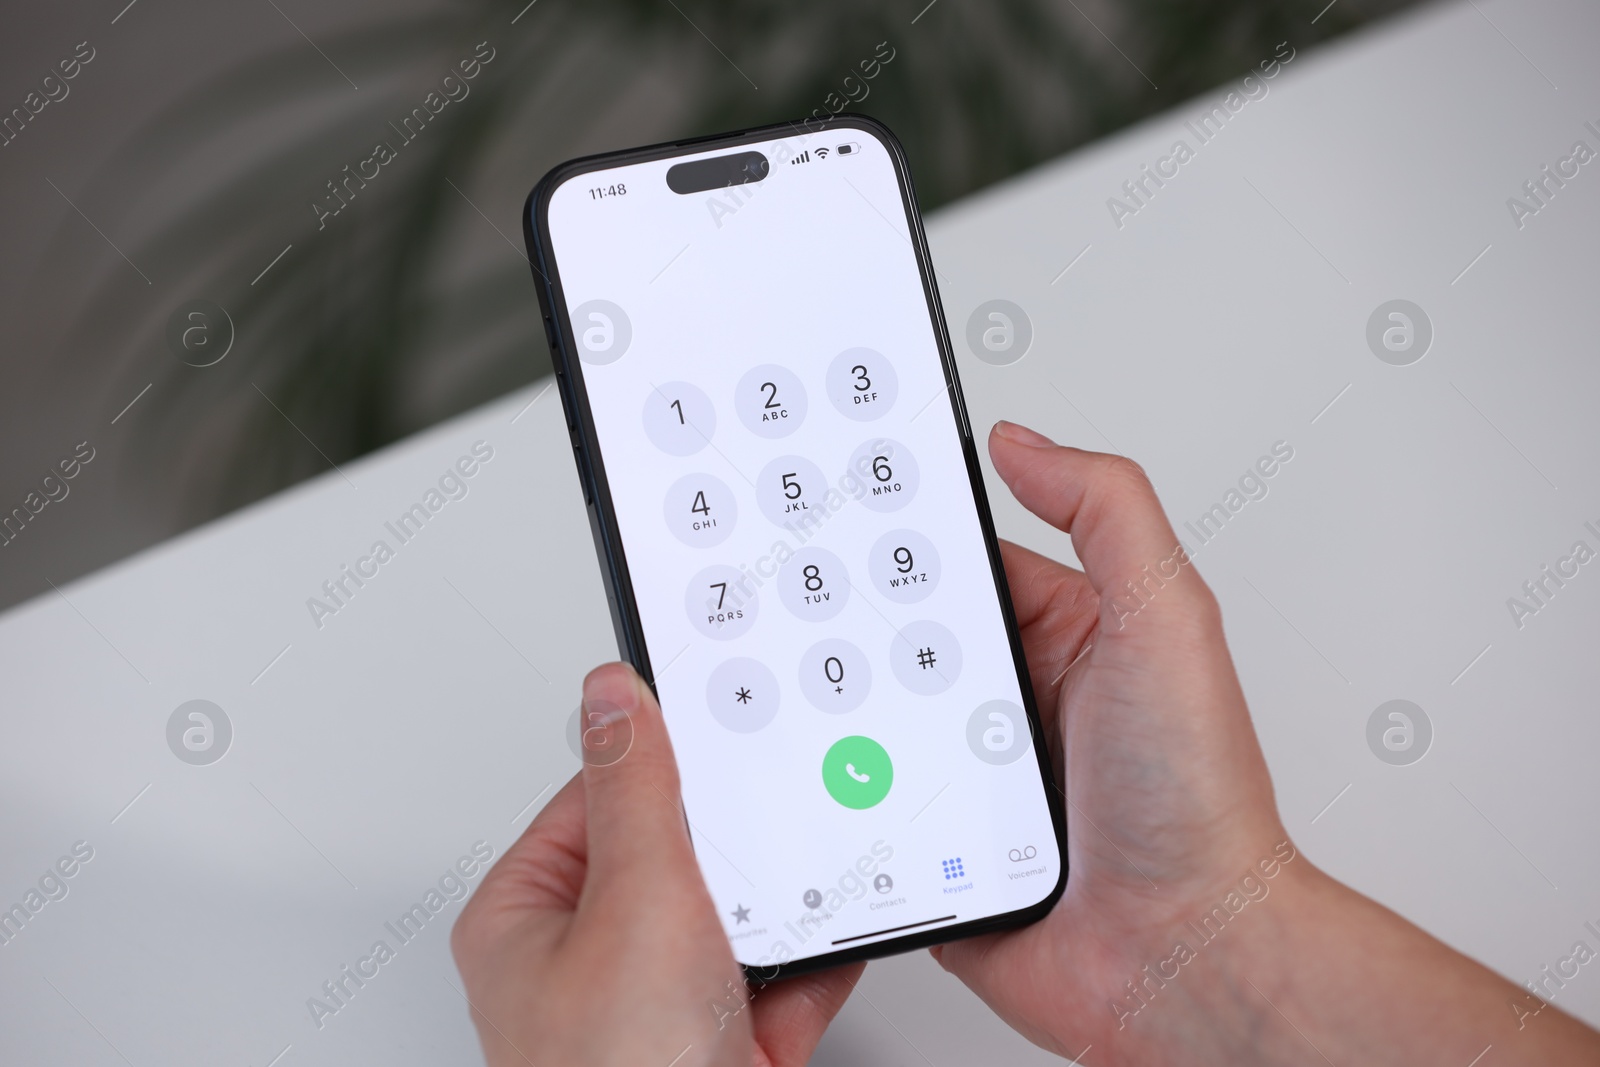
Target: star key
(742,696)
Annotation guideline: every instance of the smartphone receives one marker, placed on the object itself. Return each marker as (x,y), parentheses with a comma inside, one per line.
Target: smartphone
(797,548)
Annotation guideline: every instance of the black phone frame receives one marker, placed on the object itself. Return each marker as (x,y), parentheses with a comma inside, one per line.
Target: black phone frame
(602,515)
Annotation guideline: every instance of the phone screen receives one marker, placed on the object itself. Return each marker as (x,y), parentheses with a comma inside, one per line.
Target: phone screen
(784,461)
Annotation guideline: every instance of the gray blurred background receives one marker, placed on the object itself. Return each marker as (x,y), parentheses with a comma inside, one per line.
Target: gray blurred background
(182,162)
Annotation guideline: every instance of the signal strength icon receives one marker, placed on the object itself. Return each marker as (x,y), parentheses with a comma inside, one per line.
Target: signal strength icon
(822,153)
(803,157)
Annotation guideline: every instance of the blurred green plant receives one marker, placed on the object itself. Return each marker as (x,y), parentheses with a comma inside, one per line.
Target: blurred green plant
(378,325)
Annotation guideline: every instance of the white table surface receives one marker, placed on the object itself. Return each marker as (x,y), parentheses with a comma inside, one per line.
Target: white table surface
(1223,317)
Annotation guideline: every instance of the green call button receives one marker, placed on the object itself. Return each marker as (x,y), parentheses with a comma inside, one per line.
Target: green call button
(857,772)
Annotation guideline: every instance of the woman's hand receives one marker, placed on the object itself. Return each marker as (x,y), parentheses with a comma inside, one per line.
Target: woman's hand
(593,940)
(1191,931)
(1169,804)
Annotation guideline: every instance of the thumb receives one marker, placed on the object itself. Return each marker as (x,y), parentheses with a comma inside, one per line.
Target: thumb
(1106,503)
(1007,972)
(636,827)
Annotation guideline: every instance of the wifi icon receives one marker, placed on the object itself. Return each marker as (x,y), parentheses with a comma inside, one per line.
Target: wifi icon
(822,153)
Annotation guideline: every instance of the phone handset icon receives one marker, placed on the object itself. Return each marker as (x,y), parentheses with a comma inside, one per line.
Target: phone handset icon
(857,772)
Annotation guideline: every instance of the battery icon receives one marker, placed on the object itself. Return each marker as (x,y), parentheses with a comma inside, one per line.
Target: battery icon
(848,149)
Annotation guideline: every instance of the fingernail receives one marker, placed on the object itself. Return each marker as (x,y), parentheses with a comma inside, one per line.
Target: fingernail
(1022,435)
(605,727)
(612,685)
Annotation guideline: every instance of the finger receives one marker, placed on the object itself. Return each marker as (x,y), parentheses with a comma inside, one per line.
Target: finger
(1039,584)
(1106,503)
(1008,973)
(636,830)
(541,871)
(790,1016)
(544,867)
(1056,610)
